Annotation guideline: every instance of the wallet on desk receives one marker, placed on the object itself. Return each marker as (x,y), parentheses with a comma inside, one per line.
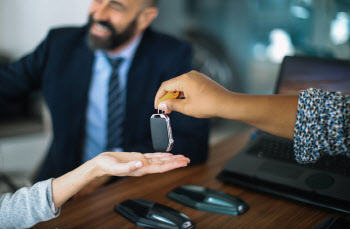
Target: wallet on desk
(334,222)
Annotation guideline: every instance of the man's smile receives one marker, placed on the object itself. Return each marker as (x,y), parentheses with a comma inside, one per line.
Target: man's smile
(100,30)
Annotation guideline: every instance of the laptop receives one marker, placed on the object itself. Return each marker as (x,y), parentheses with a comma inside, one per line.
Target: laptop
(267,163)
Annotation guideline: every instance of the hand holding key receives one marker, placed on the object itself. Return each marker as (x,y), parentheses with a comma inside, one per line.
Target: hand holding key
(204,98)
(201,96)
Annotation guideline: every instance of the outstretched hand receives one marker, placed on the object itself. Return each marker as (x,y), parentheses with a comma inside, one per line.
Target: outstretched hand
(137,164)
(89,176)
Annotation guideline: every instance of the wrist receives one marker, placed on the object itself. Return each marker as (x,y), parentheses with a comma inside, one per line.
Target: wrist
(92,169)
(226,105)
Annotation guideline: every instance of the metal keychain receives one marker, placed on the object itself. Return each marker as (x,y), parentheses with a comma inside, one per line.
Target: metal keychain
(162,137)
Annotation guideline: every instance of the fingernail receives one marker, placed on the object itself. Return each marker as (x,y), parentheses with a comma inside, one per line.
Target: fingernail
(162,106)
(138,164)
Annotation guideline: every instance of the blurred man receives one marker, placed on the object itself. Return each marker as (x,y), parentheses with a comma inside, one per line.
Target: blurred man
(99,82)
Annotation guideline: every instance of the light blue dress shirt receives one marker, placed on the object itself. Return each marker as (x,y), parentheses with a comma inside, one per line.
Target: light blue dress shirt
(96,115)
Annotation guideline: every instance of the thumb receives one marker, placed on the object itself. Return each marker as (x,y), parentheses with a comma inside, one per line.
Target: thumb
(171,105)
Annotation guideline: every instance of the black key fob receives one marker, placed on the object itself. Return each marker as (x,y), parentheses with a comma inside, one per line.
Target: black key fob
(149,214)
(162,137)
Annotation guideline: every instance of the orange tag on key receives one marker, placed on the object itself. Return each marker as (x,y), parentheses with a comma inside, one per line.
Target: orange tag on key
(169,95)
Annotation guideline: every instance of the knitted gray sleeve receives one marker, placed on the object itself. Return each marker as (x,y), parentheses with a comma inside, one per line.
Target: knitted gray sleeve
(28,206)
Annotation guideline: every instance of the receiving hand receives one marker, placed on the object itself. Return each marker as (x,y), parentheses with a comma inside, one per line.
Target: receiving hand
(137,164)
(129,164)
(202,96)
(97,171)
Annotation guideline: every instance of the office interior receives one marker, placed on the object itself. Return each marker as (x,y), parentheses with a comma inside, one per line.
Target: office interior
(240,44)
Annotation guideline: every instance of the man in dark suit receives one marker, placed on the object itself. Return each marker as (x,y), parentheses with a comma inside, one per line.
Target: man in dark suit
(73,69)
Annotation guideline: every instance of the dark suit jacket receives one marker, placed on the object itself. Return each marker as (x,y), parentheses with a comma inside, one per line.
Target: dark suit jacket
(61,67)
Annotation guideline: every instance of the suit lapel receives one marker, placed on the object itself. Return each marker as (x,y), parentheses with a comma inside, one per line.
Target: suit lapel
(138,78)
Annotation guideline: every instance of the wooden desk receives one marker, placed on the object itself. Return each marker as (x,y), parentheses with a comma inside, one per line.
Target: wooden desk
(96,210)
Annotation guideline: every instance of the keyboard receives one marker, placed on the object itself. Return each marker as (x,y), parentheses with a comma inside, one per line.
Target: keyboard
(270,146)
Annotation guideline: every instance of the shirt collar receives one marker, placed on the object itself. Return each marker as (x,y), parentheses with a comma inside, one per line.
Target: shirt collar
(127,53)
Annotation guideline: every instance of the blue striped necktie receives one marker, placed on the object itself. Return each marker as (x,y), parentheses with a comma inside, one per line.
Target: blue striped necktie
(115,107)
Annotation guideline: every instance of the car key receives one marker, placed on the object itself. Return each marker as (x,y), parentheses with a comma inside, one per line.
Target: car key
(162,137)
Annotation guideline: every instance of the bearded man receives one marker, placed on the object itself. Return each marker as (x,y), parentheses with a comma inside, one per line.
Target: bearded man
(99,82)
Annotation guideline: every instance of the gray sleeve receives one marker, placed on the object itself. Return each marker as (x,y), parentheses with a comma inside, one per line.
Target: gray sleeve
(28,206)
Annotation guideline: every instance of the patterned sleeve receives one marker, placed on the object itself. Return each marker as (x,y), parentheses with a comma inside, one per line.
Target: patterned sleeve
(322,125)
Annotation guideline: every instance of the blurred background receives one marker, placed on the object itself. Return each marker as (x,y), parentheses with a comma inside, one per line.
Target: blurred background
(240,44)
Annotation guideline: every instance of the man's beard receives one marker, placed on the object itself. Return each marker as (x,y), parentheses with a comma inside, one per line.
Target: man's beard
(115,40)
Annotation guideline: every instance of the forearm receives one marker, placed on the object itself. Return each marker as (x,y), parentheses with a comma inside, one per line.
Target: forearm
(27,206)
(271,113)
(69,184)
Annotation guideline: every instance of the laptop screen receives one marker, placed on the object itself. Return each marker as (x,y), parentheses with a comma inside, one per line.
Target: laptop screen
(300,73)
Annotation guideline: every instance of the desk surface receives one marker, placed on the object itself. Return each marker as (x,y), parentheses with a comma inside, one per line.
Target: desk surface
(96,210)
